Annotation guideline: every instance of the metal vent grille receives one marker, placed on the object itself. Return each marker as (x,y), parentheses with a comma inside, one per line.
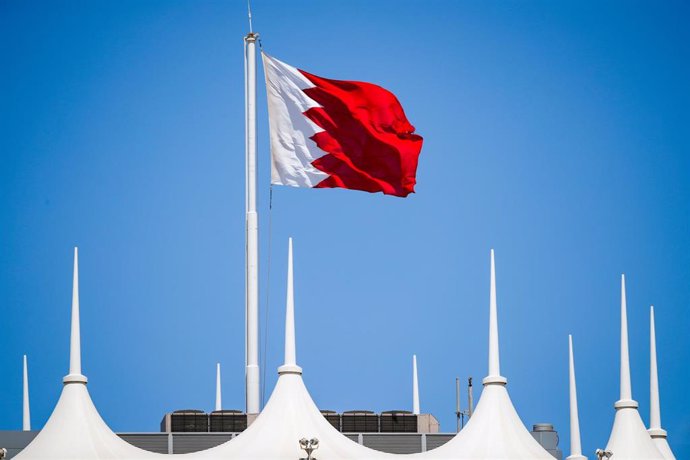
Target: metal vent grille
(333,418)
(398,422)
(360,422)
(437,440)
(186,443)
(188,421)
(394,444)
(154,442)
(228,421)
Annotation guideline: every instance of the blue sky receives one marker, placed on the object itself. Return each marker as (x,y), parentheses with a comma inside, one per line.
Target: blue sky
(555,132)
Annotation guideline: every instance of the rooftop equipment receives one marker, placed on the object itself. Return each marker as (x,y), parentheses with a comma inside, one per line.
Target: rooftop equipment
(185,421)
(359,421)
(333,418)
(227,421)
(398,421)
(547,436)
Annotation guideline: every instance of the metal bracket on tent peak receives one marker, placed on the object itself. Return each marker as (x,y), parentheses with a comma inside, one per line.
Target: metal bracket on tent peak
(601,454)
(309,446)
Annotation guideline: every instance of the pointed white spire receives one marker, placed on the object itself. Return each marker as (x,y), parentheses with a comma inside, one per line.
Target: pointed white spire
(494,360)
(415,386)
(654,407)
(629,437)
(26,415)
(75,375)
(625,386)
(75,429)
(494,430)
(290,364)
(219,400)
(575,445)
(657,433)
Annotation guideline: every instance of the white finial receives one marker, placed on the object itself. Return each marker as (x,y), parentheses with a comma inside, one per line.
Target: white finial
(626,387)
(26,415)
(654,407)
(575,445)
(290,364)
(219,401)
(658,434)
(415,386)
(494,361)
(629,438)
(75,338)
(75,374)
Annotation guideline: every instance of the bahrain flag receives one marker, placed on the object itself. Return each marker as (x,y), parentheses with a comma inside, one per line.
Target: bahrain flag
(334,133)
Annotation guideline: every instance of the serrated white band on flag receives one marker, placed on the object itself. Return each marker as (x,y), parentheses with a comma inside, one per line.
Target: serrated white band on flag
(292,150)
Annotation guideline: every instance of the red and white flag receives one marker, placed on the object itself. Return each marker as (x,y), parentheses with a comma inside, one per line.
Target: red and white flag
(334,133)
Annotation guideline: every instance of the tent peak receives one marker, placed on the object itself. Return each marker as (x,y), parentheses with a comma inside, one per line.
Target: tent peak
(625,400)
(575,444)
(658,434)
(75,375)
(494,377)
(629,437)
(290,365)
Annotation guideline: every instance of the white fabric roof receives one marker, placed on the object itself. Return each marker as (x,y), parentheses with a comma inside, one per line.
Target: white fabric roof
(290,415)
(629,438)
(75,430)
(661,443)
(495,430)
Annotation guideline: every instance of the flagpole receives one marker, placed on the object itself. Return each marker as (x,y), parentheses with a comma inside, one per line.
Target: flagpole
(252,232)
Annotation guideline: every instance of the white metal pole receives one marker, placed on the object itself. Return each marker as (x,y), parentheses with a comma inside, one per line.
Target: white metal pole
(494,364)
(575,445)
(415,386)
(290,364)
(457,404)
(75,375)
(290,346)
(470,398)
(75,336)
(26,419)
(658,434)
(654,406)
(494,376)
(219,400)
(252,232)
(625,385)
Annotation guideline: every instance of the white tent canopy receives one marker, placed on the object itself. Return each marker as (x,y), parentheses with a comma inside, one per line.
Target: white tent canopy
(75,430)
(290,415)
(495,430)
(629,438)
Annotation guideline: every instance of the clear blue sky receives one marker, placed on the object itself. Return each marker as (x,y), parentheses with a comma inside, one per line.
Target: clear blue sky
(555,132)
